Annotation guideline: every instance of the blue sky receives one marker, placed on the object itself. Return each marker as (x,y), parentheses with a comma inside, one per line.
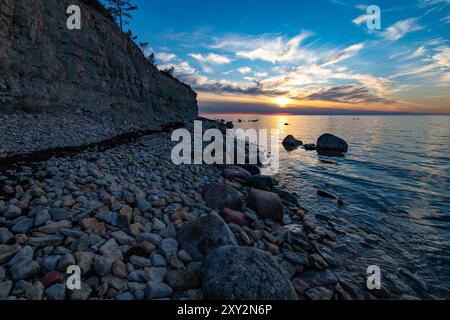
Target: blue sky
(294,56)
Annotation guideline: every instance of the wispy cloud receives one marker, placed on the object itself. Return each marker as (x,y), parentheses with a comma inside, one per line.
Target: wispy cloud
(245,70)
(165,57)
(348,94)
(271,48)
(400,29)
(211,58)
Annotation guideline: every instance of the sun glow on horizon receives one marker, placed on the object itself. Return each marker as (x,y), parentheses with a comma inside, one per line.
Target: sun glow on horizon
(282,101)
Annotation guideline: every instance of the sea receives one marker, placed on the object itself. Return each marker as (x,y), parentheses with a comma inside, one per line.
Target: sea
(395,184)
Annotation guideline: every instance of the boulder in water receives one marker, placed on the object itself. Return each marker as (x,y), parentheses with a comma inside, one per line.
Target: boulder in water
(290,143)
(332,144)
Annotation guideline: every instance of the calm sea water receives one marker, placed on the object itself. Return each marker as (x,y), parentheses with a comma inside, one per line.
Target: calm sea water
(395,182)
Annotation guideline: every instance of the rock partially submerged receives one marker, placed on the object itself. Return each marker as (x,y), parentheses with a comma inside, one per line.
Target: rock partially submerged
(328,143)
(243,273)
(202,236)
(290,142)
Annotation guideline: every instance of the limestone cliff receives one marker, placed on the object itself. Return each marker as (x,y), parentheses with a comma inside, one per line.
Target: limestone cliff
(61,87)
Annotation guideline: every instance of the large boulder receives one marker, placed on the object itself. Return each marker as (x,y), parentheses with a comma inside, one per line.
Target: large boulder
(235,172)
(243,273)
(205,234)
(266,204)
(219,196)
(332,144)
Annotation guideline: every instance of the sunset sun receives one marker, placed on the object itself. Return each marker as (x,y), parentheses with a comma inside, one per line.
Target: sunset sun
(282,101)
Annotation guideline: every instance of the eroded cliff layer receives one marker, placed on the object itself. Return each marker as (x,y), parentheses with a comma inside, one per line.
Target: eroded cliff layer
(61,87)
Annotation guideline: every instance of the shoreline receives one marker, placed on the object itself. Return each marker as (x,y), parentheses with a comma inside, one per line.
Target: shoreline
(110,212)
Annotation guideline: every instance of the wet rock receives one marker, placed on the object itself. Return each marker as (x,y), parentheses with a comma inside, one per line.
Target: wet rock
(54,240)
(182,280)
(330,143)
(235,172)
(319,278)
(261,182)
(243,273)
(266,204)
(236,217)
(119,269)
(56,227)
(319,293)
(23,225)
(8,251)
(41,218)
(65,261)
(83,293)
(5,236)
(12,212)
(109,246)
(51,278)
(5,289)
(84,261)
(300,285)
(158,290)
(297,258)
(169,247)
(24,269)
(202,236)
(219,196)
(56,292)
(291,143)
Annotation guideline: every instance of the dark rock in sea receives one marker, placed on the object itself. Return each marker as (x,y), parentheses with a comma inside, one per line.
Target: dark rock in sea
(265,204)
(309,147)
(286,196)
(219,196)
(254,170)
(330,144)
(205,234)
(261,182)
(236,217)
(326,194)
(243,273)
(236,172)
(291,143)
(229,125)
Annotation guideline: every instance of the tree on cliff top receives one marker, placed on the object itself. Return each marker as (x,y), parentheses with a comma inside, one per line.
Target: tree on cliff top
(121,11)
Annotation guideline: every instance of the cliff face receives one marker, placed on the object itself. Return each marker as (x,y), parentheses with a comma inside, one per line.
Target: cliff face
(61,87)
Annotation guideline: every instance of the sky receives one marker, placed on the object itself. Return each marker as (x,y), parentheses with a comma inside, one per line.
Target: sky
(302,56)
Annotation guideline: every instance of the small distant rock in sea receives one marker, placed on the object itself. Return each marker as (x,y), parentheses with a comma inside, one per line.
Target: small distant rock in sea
(328,143)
